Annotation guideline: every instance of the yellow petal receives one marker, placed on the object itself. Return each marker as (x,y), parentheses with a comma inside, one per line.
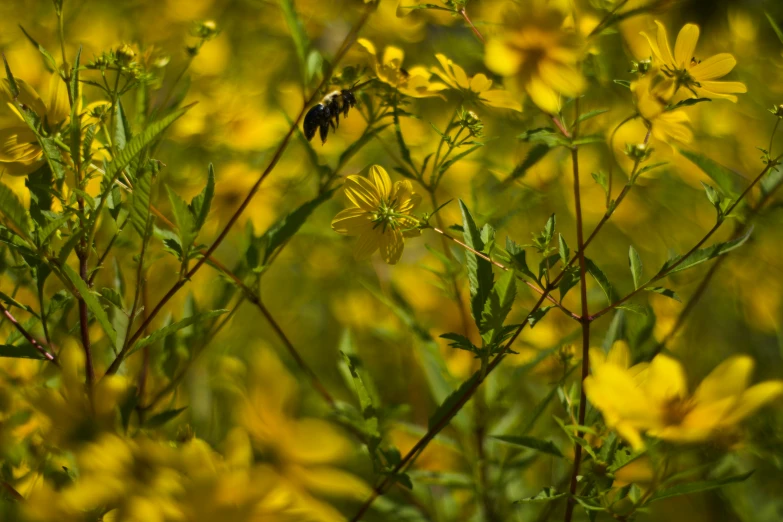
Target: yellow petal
(59,107)
(362,193)
(665,380)
(298,446)
(543,95)
(562,78)
(480,83)
(663,45)
(460,76)
(685,47)
(380,179)
(729,378)
(500,59)
(368,46)
(597,358)
(501,99)
(402,196)
(754,398)
(620,355)
(18,144)
(393,56)
(352,222)
(654,48)
(334,482)
(392,244)
(713,67)
(367,244)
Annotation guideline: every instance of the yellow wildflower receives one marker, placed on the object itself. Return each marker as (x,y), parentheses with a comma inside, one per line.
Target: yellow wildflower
(20,152)
(477,88)
(414,82)
(378,214)
(653,398)
(540,55)
(683,70)
(651,102)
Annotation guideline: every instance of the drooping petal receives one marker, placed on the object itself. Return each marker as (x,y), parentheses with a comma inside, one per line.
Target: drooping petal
(754,398)
(332,445)
(543,95)
(500,59)
(480,83)
(382,182)
(723,90)
(368,46)
(460,76)
(713,67)
(666,380)
(367,244)
(501,99)
(685,46)
(352,222)
(393,56)
(392,244)
(654,48)
(562,78)
(362,193)
(729,378)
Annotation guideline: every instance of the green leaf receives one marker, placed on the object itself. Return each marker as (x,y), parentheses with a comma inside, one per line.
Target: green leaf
(200,205)
(14,211)
(602,280)
(590,114)
(448,164)
(91,301)
(139,142)
(624,83)
(602,178)
(535,316)
(354,147)
(534,155)
(687,102)
(636,266)
(140,202)
(52,227)
(298,34)
(480,274)
(11,80)
(48,59)
(449,408)
(549,229)
(164,332)
(460,342)
(369,411)
(122,130)
(565,253)
(665,291)
(569,280)
(704,254)
(775,27)
(697,487)
(544,446)
(23,351)
(545,495)
(726,179)
(650,167)
(517,257)
(285,228)
(54,156)
(162,418)
(186,225)
(498,306)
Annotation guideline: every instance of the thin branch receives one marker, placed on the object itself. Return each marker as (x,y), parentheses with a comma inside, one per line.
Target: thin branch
(464,14)
(36,344)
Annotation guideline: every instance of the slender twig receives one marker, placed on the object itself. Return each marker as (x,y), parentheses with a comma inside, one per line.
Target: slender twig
(444,421)
(253,190)
(36,344)
(584,319)
(464,14)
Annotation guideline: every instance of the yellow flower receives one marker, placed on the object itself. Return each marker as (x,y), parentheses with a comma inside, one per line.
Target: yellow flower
(475,88)
(540,55)
(651,102)
(653,398)
(684,70)
(304,468)
(378,214)
(414,82)
(20,152)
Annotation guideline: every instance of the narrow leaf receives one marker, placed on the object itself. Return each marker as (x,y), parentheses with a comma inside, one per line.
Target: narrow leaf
(726,179)
(13,210)
(544,446)
(480,274)
(23,351)
(162,418)
(91,301)
(534,155)
(697,487)
(636,266)
(285,228)
(705,254)
(175,327)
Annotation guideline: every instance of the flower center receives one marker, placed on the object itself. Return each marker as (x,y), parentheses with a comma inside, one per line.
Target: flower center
(676,410)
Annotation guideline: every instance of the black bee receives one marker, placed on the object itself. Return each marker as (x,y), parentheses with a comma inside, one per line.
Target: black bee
(327,113)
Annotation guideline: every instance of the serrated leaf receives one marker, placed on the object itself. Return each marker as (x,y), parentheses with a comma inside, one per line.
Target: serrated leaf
(549,228)
(162,418)
(497,307)
(705,254)
(602,280)
(563,250)
(22,351)
(569,280)
(186,225)
(369,411)
(201,203)
(448,408)
(544,446)
(92,302)
(53,156)
(140,202)
(726,179)
(697,487)
(535,316)
(122,130)
(636,266)
(534,155)
(52,227)
(173,328)
(285,228)
(665,291)
(545,495)
(13,210)
(480,274)
(517,257)
(12,85)
(460,342)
